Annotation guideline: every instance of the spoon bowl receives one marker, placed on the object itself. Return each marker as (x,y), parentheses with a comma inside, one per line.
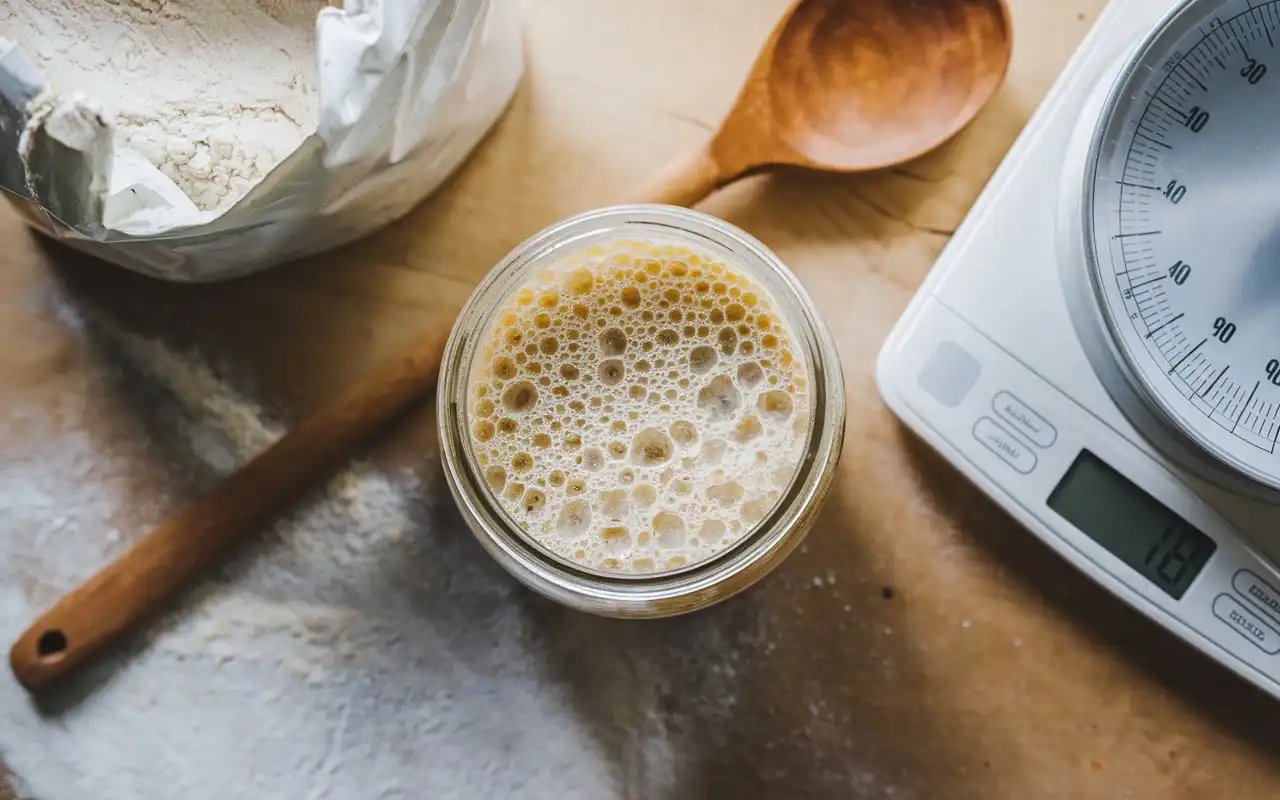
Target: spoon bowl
(851,86)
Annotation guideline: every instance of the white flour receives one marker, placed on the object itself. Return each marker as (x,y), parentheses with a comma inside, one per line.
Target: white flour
(214,93)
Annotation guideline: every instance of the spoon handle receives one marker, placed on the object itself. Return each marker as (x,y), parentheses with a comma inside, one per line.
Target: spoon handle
(103,608)
(685,182)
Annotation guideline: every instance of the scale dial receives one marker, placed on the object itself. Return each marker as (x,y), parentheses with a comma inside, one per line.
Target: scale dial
(1181,228)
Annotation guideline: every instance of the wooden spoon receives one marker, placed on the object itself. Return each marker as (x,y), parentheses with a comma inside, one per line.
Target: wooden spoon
(123,593)
(849,86)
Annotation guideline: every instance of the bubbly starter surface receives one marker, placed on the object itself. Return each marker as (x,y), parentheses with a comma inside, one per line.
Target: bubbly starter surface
(638,406)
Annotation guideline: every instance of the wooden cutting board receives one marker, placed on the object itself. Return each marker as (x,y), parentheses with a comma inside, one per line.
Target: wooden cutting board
(920,634)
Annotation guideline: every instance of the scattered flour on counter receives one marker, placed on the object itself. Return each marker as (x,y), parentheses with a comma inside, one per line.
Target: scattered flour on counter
(214,93)
(363,647)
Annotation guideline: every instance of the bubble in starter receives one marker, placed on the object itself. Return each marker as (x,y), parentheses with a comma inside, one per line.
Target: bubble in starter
(644,495)
(534,500)
(702,358)
(720,398)
(613,342)
(593,458)
(684,433)
(651,447)
(611,371)
(520,397)
(728,341)
(670,530)
(638,405)
(775,406)
(713,452)
(726,494)
(614,503)
(749,428)
(504,368)
(712,531)
(754,510)
(574,518)
(580,281)
(750,374)
(616,539)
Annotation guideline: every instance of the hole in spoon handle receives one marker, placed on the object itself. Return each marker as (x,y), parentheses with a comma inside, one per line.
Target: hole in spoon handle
(70,632)
(43,655)
(51,646)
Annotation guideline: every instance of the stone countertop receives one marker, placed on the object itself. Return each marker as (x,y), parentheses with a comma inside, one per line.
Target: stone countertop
(921,644)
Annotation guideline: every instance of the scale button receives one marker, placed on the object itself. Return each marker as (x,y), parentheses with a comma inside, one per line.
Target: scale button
(1258,592)
(949,374)
(1005,444)
(1024,420)
(1246,623)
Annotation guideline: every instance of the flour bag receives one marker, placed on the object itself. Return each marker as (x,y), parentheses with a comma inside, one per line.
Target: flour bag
(199,140)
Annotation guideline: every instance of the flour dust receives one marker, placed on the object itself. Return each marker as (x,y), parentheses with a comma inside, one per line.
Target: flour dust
(363,647)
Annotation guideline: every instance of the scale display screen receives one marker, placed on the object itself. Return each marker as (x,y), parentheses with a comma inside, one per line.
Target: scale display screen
(1131,524)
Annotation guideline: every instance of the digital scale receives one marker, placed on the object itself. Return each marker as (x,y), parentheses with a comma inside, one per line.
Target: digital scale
(1098,347)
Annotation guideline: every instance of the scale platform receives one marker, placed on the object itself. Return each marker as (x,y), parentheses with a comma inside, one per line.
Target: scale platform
(987,366)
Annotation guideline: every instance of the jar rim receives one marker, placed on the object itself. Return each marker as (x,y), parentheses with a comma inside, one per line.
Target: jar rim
(706,580)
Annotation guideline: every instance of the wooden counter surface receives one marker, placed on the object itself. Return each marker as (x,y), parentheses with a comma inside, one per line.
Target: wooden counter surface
(921,644)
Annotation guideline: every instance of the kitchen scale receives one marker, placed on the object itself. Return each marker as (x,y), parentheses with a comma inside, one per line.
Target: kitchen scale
(1098,347)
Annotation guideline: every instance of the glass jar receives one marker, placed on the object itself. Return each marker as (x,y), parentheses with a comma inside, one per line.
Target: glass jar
(761,545)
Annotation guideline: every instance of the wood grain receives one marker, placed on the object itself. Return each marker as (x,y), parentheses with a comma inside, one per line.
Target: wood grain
(684,182)
(921,640)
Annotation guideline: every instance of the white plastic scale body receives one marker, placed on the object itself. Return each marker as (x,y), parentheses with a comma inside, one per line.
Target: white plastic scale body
(1098,347)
